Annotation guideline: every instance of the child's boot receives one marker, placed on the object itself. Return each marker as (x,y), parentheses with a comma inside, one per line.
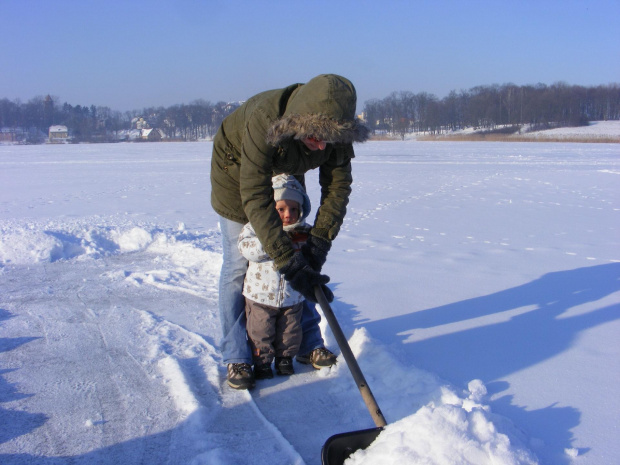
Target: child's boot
(263,371)
(284,366)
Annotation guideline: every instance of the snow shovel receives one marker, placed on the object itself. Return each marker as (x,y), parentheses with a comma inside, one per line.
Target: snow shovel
(340,446)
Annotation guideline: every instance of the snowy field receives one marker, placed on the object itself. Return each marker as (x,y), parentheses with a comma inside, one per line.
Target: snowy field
(595,130)
(478,283)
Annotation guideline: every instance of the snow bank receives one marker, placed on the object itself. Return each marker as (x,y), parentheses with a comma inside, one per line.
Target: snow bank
(34,243)
(30,244)
(469,432)
(24,246)
(468,436)
(132,240)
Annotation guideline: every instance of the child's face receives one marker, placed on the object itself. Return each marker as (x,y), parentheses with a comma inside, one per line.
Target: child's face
(288,210)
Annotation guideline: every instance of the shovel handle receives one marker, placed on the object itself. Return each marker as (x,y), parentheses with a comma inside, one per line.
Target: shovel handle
(358,376)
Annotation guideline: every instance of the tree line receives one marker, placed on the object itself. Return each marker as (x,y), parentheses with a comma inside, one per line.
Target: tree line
(505,107)
(197,120)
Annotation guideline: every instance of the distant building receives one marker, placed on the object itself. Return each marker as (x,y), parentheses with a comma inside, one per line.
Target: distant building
(58,134)
(11,134)
(153,135)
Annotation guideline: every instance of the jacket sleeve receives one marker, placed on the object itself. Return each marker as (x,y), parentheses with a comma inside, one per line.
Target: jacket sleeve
(335,178)
(249,245)
(256,191)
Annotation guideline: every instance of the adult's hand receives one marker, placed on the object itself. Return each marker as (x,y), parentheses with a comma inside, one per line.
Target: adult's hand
(303,278)
(315,251)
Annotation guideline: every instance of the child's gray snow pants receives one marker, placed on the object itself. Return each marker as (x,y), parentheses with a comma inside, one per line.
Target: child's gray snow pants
(273,331)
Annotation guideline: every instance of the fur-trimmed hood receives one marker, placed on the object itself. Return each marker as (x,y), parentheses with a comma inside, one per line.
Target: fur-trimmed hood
(323,108)
(243,161)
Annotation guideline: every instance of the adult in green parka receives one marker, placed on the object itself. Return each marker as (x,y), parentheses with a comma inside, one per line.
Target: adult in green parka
(291,130)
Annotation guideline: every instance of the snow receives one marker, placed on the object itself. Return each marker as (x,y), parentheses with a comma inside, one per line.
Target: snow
(477,284)
(595,130)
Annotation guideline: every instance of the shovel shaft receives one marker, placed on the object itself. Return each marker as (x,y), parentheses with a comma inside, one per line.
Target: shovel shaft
(358,376)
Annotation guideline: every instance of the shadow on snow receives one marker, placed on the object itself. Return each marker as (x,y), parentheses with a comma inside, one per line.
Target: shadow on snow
(499,349)
(14,423)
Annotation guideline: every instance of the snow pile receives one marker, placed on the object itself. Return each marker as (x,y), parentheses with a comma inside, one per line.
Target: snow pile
(132,240)
(467,437)
(33,243)
(25,246)
(447,427)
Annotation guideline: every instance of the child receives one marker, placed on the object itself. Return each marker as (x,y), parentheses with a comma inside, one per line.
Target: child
(273,308)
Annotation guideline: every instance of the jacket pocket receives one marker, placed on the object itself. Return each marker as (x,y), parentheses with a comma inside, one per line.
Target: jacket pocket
(231,161)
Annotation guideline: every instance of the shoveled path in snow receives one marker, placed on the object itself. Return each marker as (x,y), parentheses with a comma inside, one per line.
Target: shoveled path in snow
(141,387)
(107,360)
(121,379)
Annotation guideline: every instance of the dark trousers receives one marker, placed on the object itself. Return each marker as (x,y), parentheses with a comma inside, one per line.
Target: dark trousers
(273,332)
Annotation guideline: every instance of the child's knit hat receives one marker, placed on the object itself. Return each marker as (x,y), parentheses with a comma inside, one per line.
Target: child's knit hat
(286,187)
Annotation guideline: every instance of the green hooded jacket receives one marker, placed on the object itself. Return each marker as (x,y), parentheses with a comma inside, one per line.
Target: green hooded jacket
(262,138)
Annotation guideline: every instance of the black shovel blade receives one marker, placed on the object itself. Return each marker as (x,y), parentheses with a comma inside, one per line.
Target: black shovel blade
(339,447)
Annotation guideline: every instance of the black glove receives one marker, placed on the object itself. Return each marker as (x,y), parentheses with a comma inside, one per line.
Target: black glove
(315,251)
(303,278)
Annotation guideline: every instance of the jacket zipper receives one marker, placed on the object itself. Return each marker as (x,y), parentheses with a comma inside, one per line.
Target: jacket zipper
(280,295)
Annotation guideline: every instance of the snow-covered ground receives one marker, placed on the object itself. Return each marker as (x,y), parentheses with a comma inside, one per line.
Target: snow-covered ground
(478,283)
(595,130)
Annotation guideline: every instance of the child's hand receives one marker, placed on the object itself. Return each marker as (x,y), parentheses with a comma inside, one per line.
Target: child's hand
(303,278)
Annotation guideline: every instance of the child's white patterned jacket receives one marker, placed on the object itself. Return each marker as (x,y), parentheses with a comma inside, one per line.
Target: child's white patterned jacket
(263,283)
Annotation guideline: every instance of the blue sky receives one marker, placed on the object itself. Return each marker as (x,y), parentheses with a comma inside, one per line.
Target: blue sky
(132,53)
